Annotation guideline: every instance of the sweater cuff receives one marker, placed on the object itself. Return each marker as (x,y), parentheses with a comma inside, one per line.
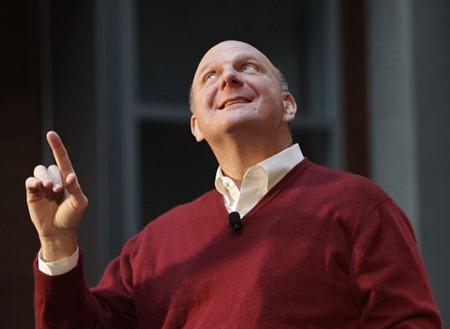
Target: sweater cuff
(59,285)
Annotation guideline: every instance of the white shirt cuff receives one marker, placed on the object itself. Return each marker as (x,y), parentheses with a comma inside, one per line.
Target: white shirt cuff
(59,267)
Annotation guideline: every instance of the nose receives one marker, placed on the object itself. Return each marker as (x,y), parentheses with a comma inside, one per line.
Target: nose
(230,79)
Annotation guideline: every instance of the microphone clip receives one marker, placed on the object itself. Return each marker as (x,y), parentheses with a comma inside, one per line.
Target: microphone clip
(235,221)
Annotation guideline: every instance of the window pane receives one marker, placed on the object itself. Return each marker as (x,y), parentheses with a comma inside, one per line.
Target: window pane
(172,37)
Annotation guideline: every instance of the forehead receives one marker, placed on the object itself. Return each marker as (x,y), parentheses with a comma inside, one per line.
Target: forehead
(230,52)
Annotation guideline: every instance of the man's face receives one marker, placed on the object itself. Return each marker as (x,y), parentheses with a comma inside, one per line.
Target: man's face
(235,90)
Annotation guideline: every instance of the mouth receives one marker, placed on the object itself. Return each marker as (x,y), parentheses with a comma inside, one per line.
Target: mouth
(230,102)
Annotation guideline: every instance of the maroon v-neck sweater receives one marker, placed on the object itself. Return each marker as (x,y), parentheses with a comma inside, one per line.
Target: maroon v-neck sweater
(323,249)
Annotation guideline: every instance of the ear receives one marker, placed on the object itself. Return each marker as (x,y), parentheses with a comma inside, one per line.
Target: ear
(290,107)
(195,129)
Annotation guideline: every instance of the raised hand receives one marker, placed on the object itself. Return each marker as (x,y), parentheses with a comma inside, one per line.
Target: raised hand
(56,203)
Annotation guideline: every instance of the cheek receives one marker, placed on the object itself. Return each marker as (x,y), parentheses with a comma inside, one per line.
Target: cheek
(273,102)
(205,97)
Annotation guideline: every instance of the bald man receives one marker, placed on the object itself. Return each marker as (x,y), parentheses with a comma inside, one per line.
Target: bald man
(308,247)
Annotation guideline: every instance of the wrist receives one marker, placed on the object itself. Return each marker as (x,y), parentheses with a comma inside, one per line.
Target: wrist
(58,267)
(53,250)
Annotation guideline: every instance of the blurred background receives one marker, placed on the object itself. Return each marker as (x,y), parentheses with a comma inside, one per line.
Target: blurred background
(371,78)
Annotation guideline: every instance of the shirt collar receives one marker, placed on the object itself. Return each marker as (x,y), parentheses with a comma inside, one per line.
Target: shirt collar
(270,172)
(281,163)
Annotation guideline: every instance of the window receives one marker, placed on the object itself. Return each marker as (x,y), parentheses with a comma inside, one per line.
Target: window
(171,39)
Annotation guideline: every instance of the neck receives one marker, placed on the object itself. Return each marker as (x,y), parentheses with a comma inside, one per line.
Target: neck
(236,158)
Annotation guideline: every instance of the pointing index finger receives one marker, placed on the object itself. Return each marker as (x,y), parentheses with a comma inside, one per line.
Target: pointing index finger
(60,153)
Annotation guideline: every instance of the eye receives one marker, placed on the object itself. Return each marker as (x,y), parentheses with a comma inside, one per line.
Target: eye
(249,68)
(210,76)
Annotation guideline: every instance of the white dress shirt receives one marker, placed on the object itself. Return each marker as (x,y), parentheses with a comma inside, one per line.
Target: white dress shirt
(257,181)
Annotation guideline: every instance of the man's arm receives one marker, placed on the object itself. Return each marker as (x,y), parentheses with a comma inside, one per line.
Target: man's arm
(65,302)
(388,278)
(56,204)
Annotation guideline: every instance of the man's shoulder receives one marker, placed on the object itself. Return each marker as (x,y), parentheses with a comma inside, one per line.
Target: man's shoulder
(181,218)
(188,210)
(208,199)
(339,182)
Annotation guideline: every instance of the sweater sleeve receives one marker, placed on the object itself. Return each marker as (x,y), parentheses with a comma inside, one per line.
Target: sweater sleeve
(65,302)
(388,279)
